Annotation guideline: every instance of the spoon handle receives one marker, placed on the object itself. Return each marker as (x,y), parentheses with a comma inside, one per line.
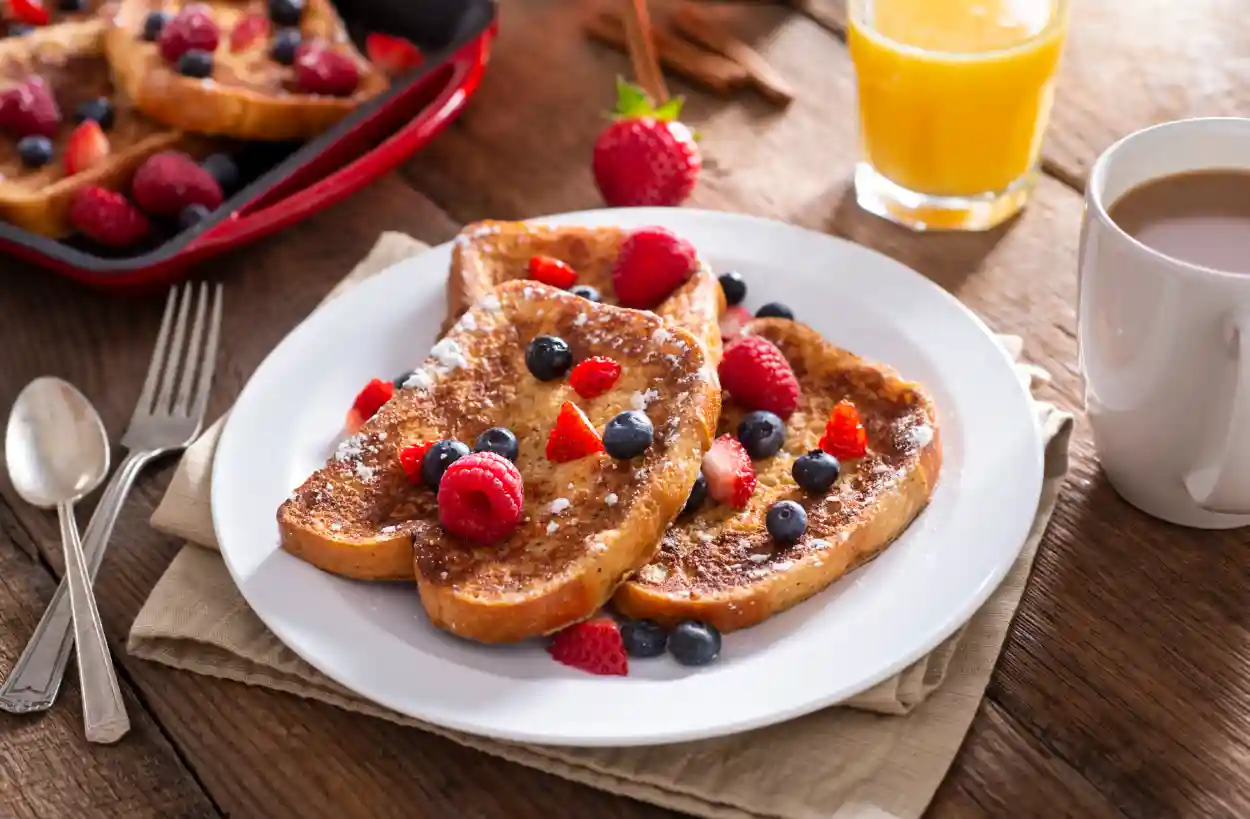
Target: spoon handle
(104,714)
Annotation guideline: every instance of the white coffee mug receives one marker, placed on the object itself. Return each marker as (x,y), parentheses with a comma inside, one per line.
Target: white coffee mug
(1165,345)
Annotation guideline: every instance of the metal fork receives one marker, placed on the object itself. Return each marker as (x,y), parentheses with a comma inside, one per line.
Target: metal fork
(163,422)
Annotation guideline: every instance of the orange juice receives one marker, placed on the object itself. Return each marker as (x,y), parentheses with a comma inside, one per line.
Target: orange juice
(954,95)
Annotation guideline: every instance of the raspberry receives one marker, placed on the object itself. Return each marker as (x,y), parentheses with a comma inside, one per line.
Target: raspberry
(193,28)
(552,271)
(651,264)
(845,437)
(573,436)
(166,183)
(758,377)
(107,217)
(248,31)
(370,399)
(594,646)
(732,322)
(481,498)
(594,376)
(87,146)
(730,474)
(29,109)
(318,70)
(410,458)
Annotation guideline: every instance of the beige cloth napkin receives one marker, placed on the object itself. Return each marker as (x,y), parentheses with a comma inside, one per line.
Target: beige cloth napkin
(846,762)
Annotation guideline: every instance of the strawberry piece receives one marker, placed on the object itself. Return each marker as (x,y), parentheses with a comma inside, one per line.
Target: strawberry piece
(410,458)
(193,27)
(573,436)
(167,182)
(845,437)
(318,70)
(652,263)
(730,474)
(645,157)
(594,646)
(370,399)
(552,271)
(758,377)
(29,109)
(248,31)
(733,321)
(594,376)
(481,498)
(31,12)
(107,217)
(394,55)
(87,146)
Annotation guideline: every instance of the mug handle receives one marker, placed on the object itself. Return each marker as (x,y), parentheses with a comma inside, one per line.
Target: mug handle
(1222,484)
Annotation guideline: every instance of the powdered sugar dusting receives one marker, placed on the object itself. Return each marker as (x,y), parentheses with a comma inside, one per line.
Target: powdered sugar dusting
(559,505)
(552,527)
(610,499)
(640,400)
(364,473)
(653,573)
(420,380)
(921,436)
(448,355)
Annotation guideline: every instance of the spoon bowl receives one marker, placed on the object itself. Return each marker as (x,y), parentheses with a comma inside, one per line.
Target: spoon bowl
(55,444)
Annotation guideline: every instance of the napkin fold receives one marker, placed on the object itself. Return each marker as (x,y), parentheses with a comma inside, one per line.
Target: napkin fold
(879,755)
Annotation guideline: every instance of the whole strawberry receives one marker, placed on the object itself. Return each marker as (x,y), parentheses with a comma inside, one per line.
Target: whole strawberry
(645,157)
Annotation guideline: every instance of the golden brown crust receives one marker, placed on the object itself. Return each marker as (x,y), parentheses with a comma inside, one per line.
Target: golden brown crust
(721,566)
(231,108)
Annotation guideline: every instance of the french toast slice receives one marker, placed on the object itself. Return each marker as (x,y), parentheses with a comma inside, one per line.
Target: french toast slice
(588,523)
(721,566)
(69,59)
(247,93)
(488,252)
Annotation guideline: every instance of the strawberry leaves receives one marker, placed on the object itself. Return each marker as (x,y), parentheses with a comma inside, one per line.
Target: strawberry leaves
(632,102)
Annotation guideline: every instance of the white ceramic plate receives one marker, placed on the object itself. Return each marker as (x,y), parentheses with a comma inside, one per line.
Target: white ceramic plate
(375,639)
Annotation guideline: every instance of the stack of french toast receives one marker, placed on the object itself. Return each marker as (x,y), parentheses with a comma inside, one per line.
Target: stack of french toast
(121,118)
(604,450)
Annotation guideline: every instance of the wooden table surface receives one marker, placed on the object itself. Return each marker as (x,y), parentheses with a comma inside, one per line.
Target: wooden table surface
(1123,689)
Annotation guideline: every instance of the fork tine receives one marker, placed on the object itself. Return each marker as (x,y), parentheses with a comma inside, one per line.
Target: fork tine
(158,353)
(173,358)
(193,353)
(208,364)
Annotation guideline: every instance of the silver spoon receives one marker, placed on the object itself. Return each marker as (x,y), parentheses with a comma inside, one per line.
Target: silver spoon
(57,452)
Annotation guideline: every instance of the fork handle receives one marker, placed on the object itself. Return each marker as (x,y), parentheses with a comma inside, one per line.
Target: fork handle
(36,678)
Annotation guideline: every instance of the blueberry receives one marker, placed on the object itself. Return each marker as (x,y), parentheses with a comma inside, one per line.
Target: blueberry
(99,109)
(698,493)
(548,357)
(816,471)
(72,5)
(499,440)
(775,309)
(762,433)
(195,63)
(35,151)
(786,521)
(644,638)
(284,44)
(694,643)
(628,435)
(286,12)
(18,29)
(154,24)
(440,456)
(192,215)
(734,287)
(222,168)
(586,292)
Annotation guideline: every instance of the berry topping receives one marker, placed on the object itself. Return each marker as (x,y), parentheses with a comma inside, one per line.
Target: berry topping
(250,30)
(286,12)
(192,28)
(762,433)
(732,322)
(845,437)
(628,435)
(318,70)
(154,24)
(594,646)
(733,286)
(698,493)
(223,169)
(87,146)
(499,440)
(29,108)
(410,458)
(644,638)
(594,376)
(370,399)
(730,474)
(548,357)
(167,182)
(285,45)
(645,157)
(18,29)
(31,12)
(196,63)
(757,376)
(694,643)
(441,455)
(99,109)
(786,521)
(191,216)
(394,55)
(573,436)
(552,271)
(107,217)
(481,498)
(35,151)
(586,292)
(652,263)
(816,471)
(775,309)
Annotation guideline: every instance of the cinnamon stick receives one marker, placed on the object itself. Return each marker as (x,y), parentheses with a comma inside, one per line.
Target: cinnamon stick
(719,74)
(640,40)
(696,24)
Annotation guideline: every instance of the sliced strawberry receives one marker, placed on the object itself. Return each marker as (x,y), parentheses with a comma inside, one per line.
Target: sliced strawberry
(370,399)
(594,646)
(594,376)
(845,437)
(394,55)
(29,11)
(573,436)
(249,30)
(410,458)
(729,472)
(87,145)
(733,321)
(552,271)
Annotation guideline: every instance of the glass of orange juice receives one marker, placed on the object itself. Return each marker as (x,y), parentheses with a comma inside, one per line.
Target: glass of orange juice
(954,97)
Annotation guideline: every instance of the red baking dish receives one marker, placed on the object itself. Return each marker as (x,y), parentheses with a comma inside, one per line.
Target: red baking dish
(285,183)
